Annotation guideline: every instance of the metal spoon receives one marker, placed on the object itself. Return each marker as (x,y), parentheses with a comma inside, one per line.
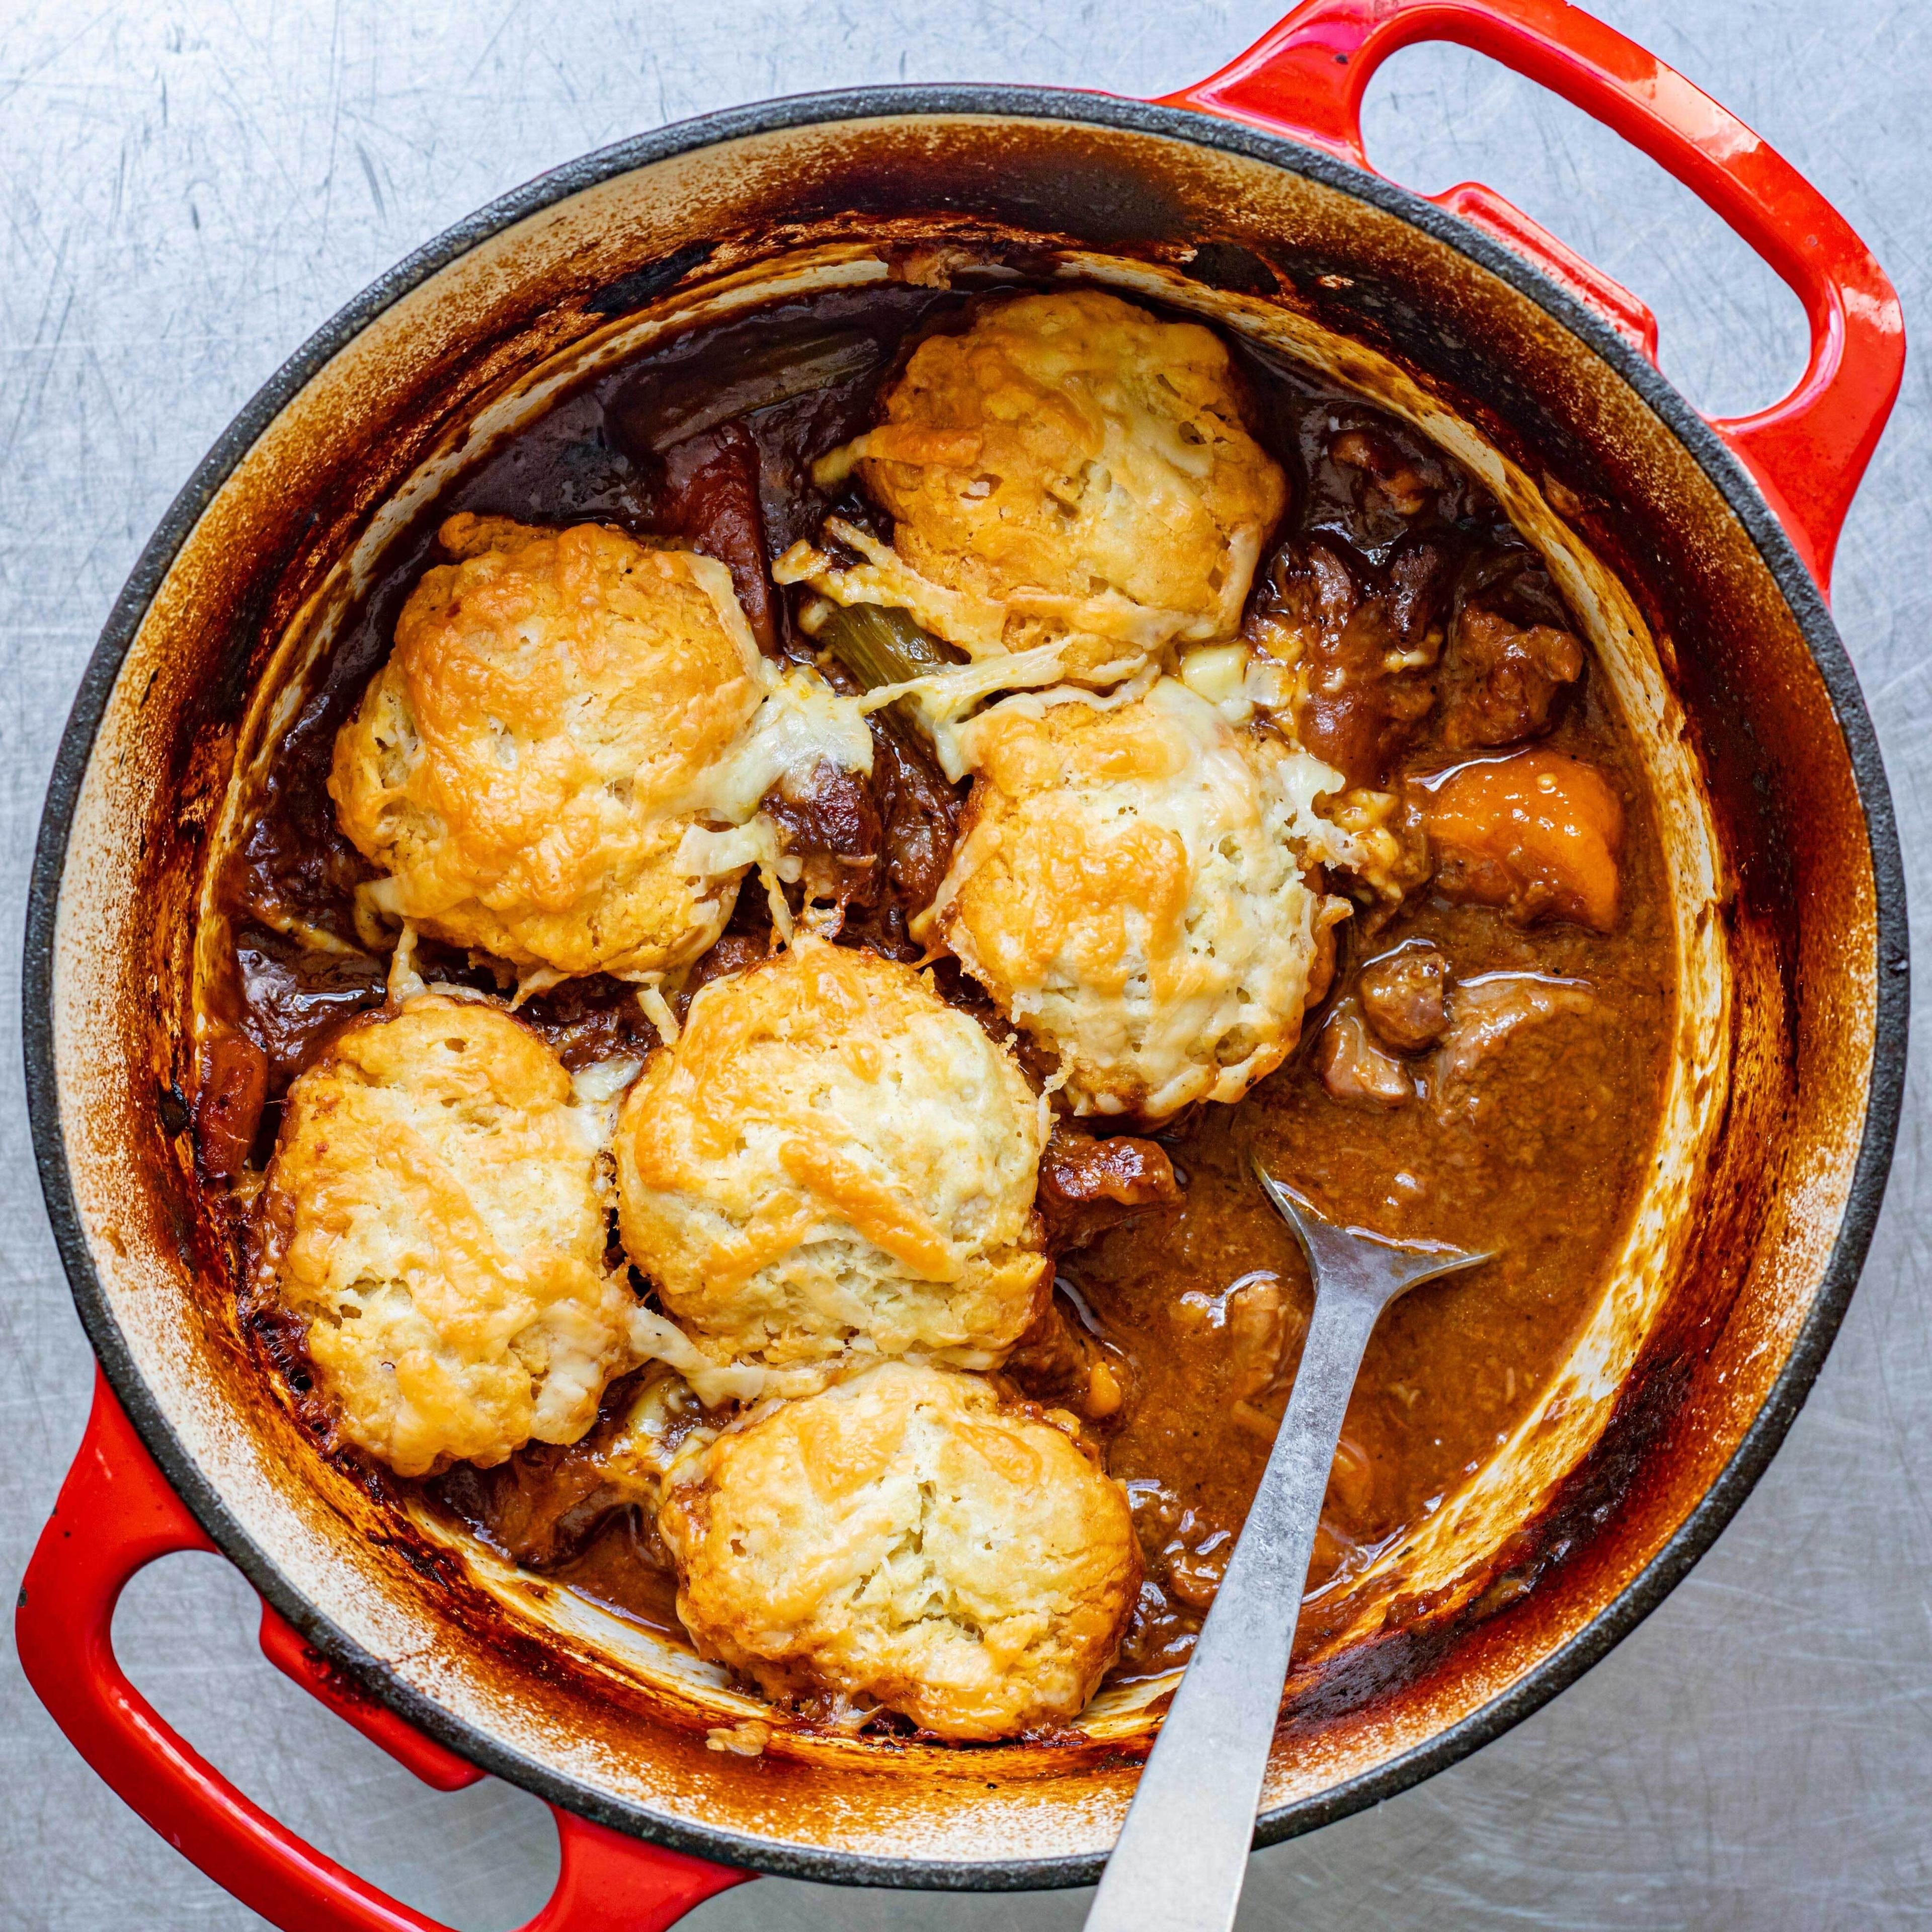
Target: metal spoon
(1182,1853)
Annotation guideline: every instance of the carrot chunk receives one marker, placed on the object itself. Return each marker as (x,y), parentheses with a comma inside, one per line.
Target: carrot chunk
(1537,834)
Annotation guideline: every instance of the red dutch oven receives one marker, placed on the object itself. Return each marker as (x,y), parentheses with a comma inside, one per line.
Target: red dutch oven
(1698,554)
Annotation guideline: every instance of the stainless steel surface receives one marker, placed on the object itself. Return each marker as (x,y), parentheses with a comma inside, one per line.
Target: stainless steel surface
(188,191)
(1182,1852)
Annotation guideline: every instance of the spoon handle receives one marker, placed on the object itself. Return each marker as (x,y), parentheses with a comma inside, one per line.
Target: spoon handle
(1183,1852)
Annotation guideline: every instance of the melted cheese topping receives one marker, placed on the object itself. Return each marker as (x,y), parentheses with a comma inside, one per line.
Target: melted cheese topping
(560,709)
(831,1159)
(436,1214)
(1132,890)
(1068,471)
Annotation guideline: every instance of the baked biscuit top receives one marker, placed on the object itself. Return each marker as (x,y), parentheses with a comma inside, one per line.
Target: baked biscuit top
(435,1213)
(1133,888)
(906,1539)
(833,1158)
(1071,471)
(526,765)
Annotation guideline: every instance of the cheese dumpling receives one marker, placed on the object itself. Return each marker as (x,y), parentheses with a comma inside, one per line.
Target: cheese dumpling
(1068,471)
(904,1539)
(1132,886)
(544,767)
(831,1158)
(436,1214)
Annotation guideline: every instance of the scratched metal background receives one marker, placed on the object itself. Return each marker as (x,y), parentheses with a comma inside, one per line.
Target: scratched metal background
(187,191)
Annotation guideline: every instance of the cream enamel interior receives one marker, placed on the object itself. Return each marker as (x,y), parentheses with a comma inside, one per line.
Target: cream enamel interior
(170,1324)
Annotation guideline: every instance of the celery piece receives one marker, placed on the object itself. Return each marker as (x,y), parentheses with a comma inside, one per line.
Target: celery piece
(879,645)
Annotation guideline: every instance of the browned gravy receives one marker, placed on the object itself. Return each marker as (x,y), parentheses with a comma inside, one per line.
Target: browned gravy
(1536,1147)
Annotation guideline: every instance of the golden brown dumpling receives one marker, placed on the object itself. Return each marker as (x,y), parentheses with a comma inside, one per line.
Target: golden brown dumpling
(831,1157)
(525,766)
(903,1539)
(435,1213)
(1131,886)
(1070,470)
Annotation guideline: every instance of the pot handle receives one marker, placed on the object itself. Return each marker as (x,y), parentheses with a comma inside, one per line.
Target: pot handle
(116,1514)
(1306,79)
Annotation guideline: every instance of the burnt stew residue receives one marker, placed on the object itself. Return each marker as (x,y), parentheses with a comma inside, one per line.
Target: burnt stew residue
(1486,1069)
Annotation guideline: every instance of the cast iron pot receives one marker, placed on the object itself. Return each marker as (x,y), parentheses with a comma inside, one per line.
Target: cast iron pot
(1696,555)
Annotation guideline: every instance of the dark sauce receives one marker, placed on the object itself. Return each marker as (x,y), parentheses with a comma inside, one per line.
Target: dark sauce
(708,440)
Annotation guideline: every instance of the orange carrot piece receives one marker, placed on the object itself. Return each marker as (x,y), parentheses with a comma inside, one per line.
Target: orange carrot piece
(1537,833)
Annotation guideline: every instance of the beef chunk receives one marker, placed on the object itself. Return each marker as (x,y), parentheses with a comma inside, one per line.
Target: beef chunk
(234,1086)
(298,996)
(707,493)
(919,819)
(1059,1364)
(1490,1014)
(1418,585)
(1086,1185)
(1368,682)
(831,822)
(735,953)
(1258,1313)
(1194,1569)
(1503,679)
(1354,1069)
(540,1507)
(918,813)
(592,1019)
(1402,997)
(1390,481)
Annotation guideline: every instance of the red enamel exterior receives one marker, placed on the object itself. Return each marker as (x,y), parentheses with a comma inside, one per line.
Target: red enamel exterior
(1306,80)
(440,1769)
(1629,314)
(116,1514)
